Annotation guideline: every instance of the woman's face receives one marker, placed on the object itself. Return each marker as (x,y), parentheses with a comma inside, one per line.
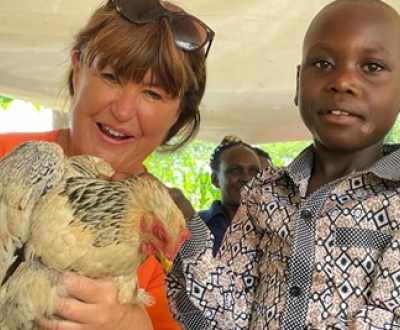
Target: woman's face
(119,121)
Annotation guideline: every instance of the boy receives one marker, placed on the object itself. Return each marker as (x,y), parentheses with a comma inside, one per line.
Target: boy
(317,245)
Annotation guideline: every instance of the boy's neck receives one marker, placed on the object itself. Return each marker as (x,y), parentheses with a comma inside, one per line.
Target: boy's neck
(331,165)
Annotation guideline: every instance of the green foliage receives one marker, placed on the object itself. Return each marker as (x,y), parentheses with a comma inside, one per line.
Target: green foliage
(394,135)
(188,170)
(5,102)
(282,153)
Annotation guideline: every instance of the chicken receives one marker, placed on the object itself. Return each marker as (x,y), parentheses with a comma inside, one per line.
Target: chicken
(59,216)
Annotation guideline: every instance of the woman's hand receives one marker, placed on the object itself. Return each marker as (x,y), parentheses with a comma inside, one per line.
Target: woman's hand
(93,305)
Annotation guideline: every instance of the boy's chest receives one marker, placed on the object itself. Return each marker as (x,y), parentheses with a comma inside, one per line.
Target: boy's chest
(362,203)
(317,244)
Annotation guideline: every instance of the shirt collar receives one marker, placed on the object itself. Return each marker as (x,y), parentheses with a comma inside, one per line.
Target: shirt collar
(388,167)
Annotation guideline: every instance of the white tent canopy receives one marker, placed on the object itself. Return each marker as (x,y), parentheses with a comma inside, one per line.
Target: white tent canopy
(251,66)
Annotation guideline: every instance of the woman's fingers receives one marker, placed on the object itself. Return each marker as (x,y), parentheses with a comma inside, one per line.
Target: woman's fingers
(89,290)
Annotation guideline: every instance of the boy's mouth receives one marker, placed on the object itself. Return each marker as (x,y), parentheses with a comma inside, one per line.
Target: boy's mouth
(339,113)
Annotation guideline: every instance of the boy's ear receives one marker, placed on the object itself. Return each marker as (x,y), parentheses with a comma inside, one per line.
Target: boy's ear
(214,180)
(296,95)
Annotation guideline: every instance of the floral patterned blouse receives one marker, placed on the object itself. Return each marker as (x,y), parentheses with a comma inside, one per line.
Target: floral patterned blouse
(327,261)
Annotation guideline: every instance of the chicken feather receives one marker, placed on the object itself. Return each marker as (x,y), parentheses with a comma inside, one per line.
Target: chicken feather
(77,222)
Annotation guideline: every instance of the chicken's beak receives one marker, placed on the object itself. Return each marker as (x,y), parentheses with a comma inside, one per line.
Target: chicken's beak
(166,263)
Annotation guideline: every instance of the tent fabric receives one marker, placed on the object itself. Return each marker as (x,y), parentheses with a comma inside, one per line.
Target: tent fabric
(251,66)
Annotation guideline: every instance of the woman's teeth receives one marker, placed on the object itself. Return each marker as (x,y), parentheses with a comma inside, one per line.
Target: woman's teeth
(112,133)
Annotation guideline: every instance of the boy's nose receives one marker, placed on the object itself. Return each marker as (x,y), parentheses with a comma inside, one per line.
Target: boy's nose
(345,80)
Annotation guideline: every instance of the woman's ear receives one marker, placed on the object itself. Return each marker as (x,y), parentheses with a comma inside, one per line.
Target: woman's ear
(214,180)
(76,66)
(296,96)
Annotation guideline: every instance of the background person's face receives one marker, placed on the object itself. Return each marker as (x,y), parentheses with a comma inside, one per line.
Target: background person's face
(238,165)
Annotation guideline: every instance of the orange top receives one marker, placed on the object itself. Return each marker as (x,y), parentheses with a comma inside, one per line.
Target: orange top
(150,273)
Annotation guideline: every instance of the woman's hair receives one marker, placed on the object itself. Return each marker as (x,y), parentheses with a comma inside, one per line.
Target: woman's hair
(227,142)
(131,50)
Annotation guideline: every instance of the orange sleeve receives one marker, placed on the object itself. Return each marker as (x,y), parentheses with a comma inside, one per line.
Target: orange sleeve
(9,141)
(151,278)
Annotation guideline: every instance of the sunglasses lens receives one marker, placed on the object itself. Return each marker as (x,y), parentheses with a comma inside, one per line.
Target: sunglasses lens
(139,11)
(189,33)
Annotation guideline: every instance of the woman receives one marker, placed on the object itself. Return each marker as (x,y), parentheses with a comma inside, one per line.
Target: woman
(136,80)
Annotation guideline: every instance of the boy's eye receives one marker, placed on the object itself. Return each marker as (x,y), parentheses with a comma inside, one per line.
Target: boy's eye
(373,67)
(323,64)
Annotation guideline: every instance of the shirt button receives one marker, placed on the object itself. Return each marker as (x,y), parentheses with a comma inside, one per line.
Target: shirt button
(328,300)
(295,291)
(306,214)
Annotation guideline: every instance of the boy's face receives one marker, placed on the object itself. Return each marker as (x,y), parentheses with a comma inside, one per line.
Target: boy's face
(349,82)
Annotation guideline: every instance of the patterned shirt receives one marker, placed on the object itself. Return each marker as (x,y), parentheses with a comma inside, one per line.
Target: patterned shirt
(330,260)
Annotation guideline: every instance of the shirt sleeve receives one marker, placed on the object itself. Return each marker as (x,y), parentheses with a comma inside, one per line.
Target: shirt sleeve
(221,288)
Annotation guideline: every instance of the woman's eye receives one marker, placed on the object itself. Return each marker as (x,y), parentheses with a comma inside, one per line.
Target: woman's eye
(153,95)
(110,78)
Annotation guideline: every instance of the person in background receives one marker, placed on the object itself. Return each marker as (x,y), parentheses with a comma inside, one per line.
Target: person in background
(316,245)
(264,157)
(136,80)
(233,163)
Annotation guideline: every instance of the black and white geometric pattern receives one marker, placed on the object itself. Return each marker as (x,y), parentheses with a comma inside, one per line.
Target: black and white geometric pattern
(328,261)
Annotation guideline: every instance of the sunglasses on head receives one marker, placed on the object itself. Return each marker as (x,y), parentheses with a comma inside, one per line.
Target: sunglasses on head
(190,33)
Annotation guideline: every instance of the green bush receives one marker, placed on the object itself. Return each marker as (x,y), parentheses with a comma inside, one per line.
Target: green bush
(187,169)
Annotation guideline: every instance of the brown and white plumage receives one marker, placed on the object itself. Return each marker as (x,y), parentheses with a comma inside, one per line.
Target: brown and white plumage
(77,222)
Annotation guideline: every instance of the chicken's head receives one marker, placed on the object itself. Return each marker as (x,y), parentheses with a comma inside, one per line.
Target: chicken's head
(162,225)
(163,239)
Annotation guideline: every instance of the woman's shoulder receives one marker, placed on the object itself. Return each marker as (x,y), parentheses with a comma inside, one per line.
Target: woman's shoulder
(150,273)
(9,141)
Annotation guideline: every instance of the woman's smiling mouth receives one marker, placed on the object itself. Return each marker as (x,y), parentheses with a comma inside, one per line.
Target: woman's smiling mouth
(112,133)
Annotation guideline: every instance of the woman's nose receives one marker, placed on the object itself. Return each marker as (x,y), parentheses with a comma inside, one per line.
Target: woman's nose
(126,105)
